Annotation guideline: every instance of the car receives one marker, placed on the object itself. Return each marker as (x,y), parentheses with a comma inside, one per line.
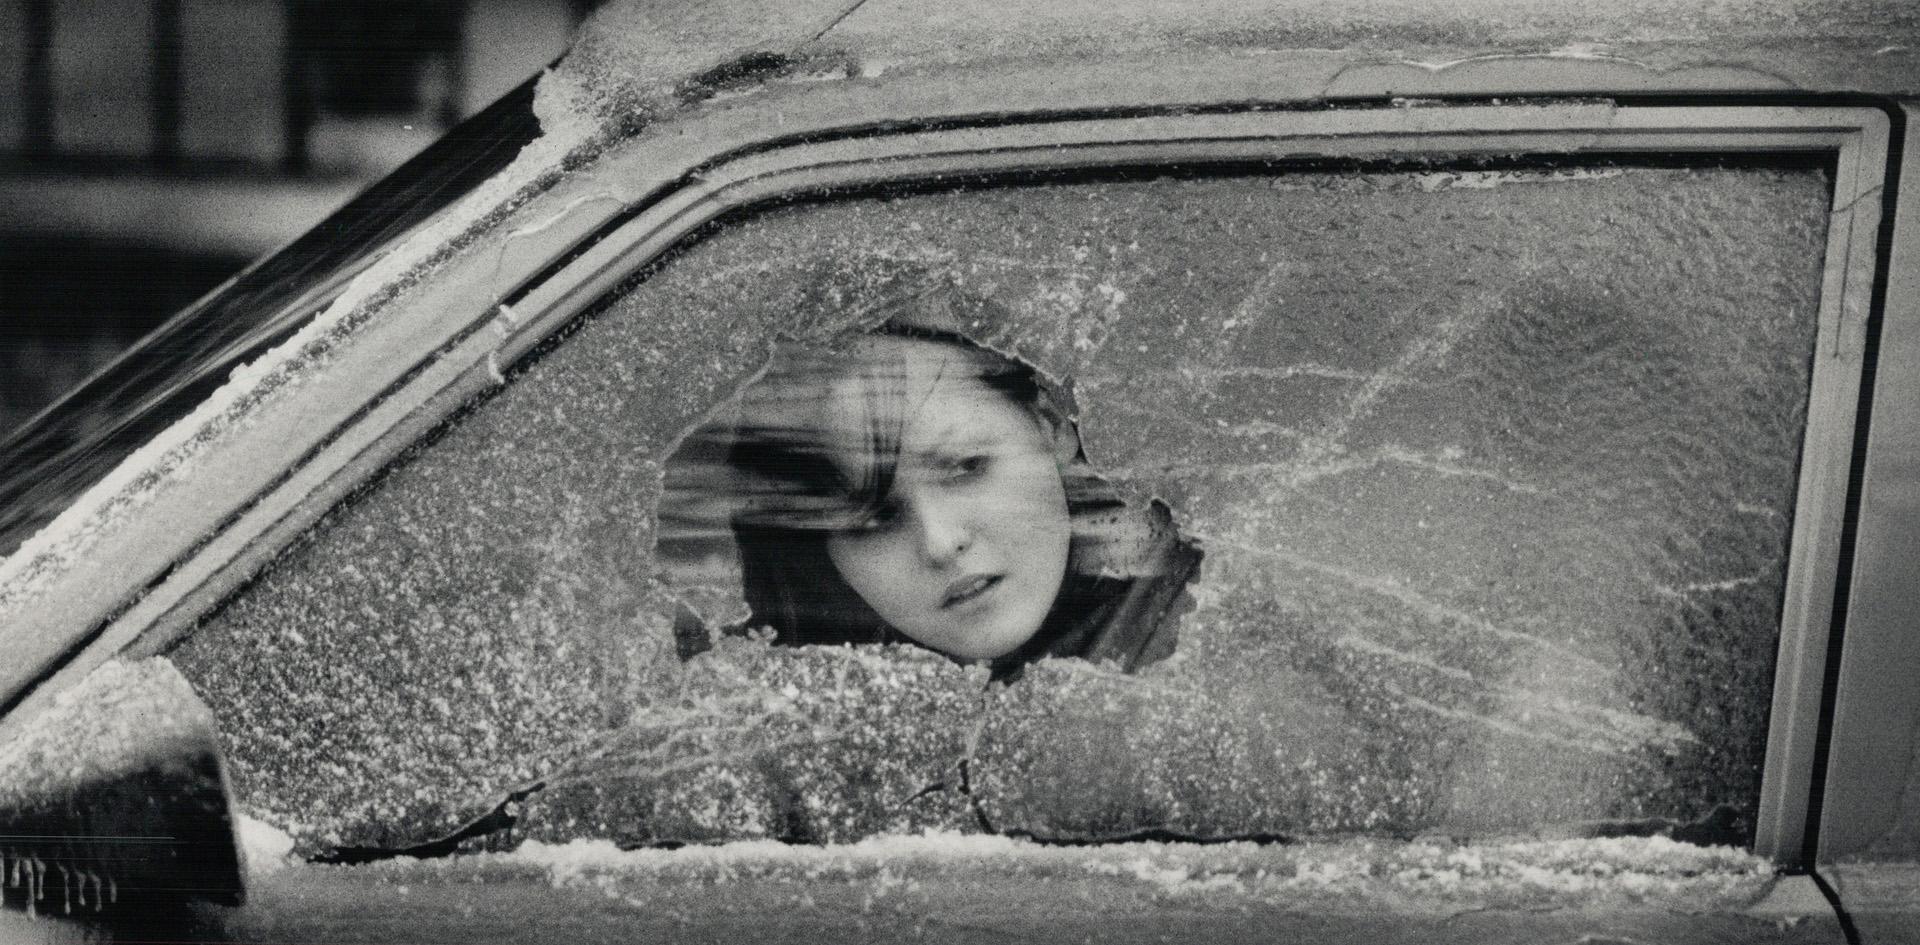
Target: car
(1526,383)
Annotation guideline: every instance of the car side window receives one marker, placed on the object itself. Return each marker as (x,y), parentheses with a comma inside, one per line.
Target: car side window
(1474,485)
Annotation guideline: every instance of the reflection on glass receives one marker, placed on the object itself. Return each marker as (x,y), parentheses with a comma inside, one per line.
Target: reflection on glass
(909,485)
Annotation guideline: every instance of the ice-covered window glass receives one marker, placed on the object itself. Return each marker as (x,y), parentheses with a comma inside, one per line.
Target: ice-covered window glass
(1447,500)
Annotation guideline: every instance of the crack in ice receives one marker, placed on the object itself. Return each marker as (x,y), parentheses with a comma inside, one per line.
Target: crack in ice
(1628,729)
(1413,599)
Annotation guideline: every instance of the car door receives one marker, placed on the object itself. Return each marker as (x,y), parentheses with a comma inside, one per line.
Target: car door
(1519,493)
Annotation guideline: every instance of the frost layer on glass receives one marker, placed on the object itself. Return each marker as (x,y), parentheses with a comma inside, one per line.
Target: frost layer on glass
(1492,471)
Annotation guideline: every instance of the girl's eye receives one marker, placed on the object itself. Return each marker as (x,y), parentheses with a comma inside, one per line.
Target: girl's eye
(967,467)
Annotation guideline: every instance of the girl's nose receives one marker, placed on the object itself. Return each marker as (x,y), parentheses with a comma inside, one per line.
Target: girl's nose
(944,532)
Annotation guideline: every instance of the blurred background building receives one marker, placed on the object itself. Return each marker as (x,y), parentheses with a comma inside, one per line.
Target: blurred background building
(149,149)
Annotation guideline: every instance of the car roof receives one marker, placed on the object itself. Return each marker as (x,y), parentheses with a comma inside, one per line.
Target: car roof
(1809,44)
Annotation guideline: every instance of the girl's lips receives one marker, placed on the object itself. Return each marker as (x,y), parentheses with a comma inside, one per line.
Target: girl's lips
(968,588)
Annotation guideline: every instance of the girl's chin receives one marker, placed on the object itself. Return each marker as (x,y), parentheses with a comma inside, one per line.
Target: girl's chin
(992,645)
(988,627)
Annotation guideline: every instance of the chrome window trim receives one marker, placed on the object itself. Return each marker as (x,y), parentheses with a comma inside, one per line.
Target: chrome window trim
(1873,759)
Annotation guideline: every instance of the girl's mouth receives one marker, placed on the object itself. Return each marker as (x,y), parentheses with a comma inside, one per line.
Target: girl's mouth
(968,588)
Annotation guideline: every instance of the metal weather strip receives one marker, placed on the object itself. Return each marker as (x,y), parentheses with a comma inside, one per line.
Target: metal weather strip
(1813,563)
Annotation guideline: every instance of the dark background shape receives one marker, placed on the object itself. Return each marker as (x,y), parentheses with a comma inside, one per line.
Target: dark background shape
(150,149)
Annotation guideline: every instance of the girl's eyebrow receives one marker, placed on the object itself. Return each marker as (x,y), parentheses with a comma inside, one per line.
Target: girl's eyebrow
(950,451)
(951,436)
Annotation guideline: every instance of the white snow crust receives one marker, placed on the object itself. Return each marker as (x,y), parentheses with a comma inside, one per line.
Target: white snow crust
(1415,876)
(268,849)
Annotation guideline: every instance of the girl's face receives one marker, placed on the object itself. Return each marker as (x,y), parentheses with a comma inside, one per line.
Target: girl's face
(966,553)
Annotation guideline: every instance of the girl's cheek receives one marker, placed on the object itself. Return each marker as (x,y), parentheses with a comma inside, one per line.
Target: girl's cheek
(1036,484)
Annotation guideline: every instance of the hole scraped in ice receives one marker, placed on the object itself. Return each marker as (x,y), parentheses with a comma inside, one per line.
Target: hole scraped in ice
(890,440)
